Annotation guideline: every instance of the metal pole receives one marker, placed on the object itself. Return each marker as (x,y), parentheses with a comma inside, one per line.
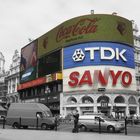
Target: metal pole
(3,122)
(56,123)
(125,125)
(99,126)
(19,122)
(36,122)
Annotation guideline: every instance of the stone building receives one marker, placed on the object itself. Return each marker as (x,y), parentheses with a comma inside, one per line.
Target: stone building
(3,83)
(13,79)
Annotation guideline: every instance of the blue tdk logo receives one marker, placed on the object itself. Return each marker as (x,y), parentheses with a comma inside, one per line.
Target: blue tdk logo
(78,55)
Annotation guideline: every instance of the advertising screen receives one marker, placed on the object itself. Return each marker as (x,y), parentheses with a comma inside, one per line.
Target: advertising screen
(49,64)
(96,77)
(96,65)
(95,27)
(99,53)
(28,64)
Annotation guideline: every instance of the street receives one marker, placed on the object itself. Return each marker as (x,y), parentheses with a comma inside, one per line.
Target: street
(19,134)
(132,130)
(64,131)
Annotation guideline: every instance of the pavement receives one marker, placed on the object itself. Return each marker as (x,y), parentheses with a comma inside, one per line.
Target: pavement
(23,134)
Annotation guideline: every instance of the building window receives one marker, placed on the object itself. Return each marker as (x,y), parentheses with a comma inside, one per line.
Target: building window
(131,100)
(103,98)
(138,80)
(119,99)
(71,100)
(87,100)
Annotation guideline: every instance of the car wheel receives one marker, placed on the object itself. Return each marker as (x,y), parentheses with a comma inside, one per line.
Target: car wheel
(44,126)
(15,125)
(83,128)
(110,129)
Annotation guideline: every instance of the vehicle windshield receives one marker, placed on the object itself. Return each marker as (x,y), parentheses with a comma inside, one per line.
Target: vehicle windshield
(107,118)
(47,114)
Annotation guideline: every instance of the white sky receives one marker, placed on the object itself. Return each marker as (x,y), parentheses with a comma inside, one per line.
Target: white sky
(23,19)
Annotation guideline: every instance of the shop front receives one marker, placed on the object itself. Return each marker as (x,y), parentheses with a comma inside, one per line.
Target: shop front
(44,90)
(119,112)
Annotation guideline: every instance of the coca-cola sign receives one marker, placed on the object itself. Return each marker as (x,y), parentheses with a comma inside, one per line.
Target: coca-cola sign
(94,27)
(83,26)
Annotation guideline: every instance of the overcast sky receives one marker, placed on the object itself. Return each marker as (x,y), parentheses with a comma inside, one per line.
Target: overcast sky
(24,19)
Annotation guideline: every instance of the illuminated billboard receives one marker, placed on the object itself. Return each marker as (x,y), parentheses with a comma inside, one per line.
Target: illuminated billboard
(99,53)
(50,63)
(96,77)
(28,64)
(95,27)
(96,65)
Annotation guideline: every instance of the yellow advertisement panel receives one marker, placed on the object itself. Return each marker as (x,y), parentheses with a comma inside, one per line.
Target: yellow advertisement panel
(94,27)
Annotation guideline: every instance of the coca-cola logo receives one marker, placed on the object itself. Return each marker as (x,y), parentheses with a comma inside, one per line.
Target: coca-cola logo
(83,26)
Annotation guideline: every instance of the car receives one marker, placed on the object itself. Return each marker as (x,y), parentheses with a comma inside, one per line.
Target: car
(91,122)
(133,119)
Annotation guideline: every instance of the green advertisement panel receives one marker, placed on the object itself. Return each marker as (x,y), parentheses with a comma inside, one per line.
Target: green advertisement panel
(94,27)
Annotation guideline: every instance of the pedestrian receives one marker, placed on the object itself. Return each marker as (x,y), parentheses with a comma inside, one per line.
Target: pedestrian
(76,119)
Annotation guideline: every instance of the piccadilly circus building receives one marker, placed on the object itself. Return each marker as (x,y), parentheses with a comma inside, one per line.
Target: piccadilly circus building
(94,69)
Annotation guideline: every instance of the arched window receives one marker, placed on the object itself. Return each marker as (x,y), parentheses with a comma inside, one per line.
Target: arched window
(72,100)
(103,98)
(87,99)
(132,100)
(119,99)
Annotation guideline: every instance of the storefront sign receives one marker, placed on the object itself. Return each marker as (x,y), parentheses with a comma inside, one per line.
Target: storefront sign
(53,77)
(33,83)
(104,104)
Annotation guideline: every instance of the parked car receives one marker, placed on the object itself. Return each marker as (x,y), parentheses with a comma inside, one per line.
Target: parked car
(29,114)
(133,119)
(91,122)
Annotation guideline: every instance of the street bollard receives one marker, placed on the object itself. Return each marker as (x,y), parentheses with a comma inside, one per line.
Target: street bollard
(3,122)
(19,123)
(56,123)
(126,126)
(99,126)
(36,122)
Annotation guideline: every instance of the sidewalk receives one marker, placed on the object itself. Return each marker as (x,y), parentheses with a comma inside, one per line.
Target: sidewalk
(14,134)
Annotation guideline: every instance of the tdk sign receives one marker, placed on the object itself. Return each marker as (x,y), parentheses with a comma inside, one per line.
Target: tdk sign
(102,50)
(99,53)
(79,55)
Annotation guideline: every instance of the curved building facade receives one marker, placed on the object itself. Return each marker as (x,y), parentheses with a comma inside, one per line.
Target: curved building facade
(99,74)
(86,63)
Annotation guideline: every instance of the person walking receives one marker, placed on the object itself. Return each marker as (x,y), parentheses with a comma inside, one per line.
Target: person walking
(76,119)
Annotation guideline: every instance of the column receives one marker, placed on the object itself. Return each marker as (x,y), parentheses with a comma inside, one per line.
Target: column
(95,108)
(138,110)
(0,65)
(16,84)
(127,110)
(63,110)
